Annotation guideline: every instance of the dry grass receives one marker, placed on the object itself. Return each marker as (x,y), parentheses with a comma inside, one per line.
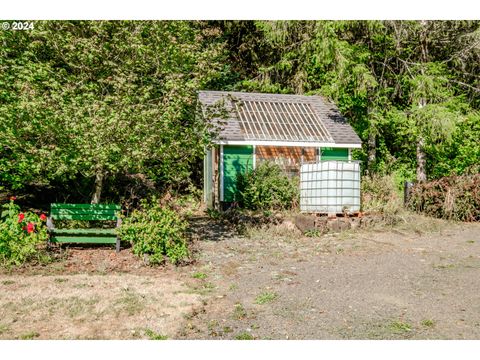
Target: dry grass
(115,306)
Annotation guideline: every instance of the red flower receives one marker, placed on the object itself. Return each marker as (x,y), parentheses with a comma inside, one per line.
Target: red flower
(43,217)
(13,198)
(21,216)
(30,227)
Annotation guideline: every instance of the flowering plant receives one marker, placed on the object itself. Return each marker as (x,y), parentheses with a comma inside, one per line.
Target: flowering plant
(20,234)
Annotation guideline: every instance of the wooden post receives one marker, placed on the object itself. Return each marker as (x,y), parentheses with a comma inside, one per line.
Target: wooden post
(119,222)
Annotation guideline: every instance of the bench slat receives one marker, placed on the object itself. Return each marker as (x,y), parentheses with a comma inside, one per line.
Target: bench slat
(83,239)
(97,232)
(84,217)
(83,212)
(85,206)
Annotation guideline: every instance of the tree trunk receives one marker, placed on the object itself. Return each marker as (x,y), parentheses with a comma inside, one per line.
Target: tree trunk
(421,160)
(421,156)
(99,176)
(372,149)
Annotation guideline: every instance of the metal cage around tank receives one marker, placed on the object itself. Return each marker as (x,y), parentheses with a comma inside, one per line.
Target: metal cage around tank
(330,187)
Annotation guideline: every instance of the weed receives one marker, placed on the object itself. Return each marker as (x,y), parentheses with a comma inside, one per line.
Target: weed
(244,336)
(8,282)
(233,287)
(212,324)
(399,327)
(265,298)
(239,312)
(152,335)
(470,241)
(4,328)
(313,233)
(29,336)
(227,329)
(428,323)
(199,275)
(60,280)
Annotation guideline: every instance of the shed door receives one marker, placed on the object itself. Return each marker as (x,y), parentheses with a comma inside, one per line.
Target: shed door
(235,159)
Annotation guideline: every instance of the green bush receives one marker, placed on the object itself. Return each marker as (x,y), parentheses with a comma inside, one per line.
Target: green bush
(266,188)
(21,233)
(155,231)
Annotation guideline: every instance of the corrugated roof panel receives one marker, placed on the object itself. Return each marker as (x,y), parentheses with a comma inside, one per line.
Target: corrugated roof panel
(288,121)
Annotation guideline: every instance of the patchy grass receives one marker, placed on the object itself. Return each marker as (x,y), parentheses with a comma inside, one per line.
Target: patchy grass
(239,312)
(199,275)
(4,328)
(244,336)
(470,241)
(29,336)
(400,328)
(265,298)
(152,335)
(131,302)
(60,280)
(428,323)
(8,282)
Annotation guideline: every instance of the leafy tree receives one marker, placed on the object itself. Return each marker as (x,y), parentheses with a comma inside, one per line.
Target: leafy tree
(103,98)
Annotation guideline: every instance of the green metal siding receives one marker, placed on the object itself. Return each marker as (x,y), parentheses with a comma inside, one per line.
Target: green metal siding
(235,159)
(334,154)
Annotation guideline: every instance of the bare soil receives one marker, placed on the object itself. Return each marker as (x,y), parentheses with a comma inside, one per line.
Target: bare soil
(417,280)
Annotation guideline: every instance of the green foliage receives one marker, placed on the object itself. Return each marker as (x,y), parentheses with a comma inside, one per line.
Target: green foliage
(266,188)
(21,233)
(155,231)
(81,99)
(453,197)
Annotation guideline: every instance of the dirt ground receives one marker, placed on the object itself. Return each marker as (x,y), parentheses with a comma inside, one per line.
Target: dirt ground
(417,280)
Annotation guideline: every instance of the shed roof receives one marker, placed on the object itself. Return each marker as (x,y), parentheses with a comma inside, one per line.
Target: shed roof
(263,119)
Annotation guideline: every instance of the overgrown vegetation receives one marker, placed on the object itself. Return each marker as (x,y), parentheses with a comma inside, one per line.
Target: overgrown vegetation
(267,188)
(453,198)
(380,194)
(155,232)
(21,235)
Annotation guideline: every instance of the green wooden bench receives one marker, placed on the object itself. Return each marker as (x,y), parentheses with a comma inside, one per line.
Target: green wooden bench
(85,212)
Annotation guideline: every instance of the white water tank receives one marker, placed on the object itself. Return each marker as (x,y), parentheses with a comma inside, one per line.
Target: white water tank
(330,187)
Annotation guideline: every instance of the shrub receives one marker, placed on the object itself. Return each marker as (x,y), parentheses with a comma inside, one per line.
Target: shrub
(380,194)
(20,234)
(267,188)
(452,198)
(155,231)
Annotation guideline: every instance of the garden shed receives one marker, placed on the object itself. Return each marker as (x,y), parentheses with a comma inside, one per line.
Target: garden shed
(289,130)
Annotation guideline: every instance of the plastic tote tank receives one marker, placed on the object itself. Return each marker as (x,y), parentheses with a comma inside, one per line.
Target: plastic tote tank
(330,187)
